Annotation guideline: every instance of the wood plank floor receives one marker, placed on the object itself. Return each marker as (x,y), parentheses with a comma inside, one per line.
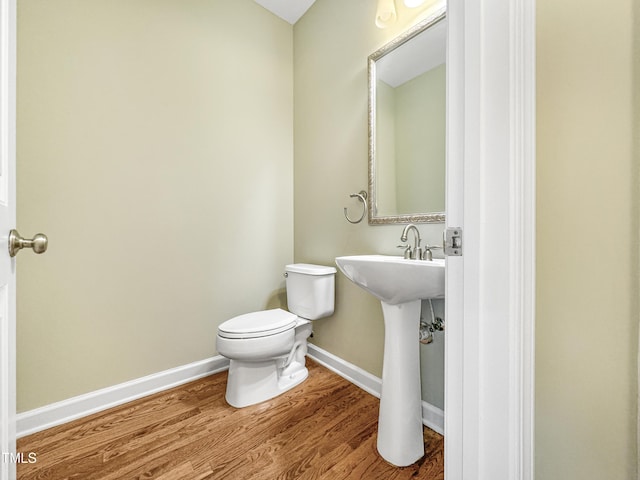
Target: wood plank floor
(323,429)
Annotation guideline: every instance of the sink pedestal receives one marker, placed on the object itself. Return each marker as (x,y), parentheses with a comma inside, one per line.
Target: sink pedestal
(401,285)
(400,434)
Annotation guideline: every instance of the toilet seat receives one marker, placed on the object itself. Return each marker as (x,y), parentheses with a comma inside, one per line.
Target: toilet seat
(258,324)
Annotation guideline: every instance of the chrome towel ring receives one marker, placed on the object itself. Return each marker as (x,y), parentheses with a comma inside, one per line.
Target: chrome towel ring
(362,196)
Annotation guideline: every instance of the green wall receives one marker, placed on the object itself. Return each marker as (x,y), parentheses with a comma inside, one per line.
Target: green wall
(330,162)
(155,148)
(587,241)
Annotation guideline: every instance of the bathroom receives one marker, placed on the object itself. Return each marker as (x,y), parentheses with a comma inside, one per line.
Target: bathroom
(174,123)
(211,144)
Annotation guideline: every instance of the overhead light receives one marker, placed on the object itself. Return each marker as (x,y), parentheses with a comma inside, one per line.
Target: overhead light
(413,3)
(386,13)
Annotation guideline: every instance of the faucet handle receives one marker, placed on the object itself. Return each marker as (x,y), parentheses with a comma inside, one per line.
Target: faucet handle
(427,254)
(407,250)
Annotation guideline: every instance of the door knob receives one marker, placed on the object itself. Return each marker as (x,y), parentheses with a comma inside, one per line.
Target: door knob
(16,243)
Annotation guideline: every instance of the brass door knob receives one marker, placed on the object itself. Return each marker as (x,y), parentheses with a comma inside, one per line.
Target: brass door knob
(16,243)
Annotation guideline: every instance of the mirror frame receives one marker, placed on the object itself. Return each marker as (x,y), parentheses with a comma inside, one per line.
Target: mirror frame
(374,219)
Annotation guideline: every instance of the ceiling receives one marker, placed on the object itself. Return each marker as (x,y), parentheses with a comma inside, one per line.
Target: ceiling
(289,10)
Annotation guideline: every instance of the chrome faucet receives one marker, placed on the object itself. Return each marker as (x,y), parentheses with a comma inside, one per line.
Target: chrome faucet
(416,252)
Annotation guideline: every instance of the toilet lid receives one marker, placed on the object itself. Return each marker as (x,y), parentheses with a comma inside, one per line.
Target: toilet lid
(258,324)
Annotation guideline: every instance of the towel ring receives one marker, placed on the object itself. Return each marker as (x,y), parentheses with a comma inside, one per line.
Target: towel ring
(362,196)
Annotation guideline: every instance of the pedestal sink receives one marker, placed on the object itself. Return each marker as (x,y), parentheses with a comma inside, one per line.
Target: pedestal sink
(400,285)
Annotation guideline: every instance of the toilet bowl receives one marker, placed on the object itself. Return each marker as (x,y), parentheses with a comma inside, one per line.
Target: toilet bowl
(267,348)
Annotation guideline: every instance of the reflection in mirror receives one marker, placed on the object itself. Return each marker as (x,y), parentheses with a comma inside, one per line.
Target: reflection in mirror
(407,126)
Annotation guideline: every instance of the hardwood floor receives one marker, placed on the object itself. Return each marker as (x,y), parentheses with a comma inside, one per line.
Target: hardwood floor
(323,429)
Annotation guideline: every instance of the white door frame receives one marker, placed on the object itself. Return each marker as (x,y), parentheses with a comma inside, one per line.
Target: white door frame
(489,354)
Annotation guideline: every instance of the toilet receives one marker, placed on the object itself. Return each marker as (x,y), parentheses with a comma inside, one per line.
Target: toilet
(267,349)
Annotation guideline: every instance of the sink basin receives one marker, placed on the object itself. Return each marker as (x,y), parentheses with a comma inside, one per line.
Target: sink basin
(400,285)
(395,280)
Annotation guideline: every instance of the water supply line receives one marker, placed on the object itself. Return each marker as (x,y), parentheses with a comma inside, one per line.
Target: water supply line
(427,328)
(292,353)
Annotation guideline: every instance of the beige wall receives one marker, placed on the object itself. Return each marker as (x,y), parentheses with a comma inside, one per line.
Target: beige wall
(587,242)
(636,182)
(330,98)
(155,148)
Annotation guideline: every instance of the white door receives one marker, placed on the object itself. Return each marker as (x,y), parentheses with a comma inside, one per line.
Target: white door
(10,241)
(7,222)
(491,196)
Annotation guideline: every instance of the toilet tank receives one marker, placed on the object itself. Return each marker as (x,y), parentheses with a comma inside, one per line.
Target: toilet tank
(310,290)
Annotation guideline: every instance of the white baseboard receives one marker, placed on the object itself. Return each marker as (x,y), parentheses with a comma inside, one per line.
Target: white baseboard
(432,417)
(73,408)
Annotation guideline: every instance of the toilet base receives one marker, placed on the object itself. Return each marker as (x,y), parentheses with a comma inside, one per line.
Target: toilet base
(255,382)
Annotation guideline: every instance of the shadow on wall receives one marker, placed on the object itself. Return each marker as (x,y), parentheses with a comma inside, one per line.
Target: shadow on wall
(277,299)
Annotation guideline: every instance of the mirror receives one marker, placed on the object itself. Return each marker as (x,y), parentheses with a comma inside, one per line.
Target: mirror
(407,126)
